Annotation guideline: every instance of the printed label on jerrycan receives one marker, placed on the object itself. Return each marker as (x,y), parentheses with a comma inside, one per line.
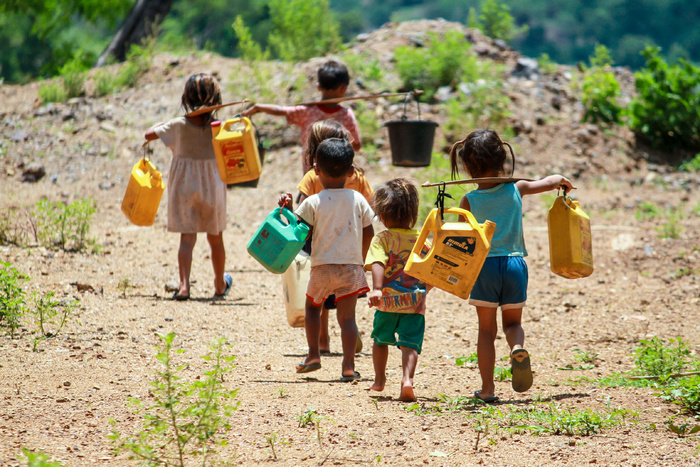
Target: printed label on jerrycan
(444,270)
(234,155)
(586,241)
(461,244)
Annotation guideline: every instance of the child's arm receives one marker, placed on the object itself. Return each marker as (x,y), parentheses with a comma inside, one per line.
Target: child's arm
(367,234)
(151,132)
(546,184)
(264,108)
(375,296)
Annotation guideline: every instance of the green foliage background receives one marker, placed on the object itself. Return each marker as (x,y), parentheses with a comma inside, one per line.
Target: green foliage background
(38,37)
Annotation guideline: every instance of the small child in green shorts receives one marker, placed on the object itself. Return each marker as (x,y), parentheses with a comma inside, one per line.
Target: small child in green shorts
(399,298)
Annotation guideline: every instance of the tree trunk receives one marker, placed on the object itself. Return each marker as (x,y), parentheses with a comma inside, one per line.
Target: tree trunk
(136,26)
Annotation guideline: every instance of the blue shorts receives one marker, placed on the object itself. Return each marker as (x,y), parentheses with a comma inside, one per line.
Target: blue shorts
(501,282)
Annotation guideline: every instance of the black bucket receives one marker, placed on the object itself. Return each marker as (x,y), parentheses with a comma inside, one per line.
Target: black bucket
(411,141)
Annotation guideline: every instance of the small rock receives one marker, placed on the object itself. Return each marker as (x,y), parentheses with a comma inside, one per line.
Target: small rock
(33,172)
(106,185)
(526,67)
(19,136)
(362,37)
(66,383)
(172,286)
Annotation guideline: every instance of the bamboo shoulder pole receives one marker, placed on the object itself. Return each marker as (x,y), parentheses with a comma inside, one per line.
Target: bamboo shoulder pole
(205,110)
(361,98)
(477,180)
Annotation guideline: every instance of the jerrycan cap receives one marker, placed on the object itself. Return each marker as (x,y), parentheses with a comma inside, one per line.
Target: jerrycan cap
(216,123)
(301,230)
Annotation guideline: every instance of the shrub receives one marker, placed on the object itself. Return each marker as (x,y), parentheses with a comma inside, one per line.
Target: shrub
(666,111)
(182,419)
(12,303)
(496,21)
(105,83)
(138,61)
(438,64)
(73,77)
(247,47)
(319,36)
(600,89)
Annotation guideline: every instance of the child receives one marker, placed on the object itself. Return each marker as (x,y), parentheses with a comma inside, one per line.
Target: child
(310,185)
(333,81)
(503,278)
(341,222)
(196,194)
(399,298)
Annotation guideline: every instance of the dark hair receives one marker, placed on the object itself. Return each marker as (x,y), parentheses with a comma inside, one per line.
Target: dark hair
(201,90)
(334,157)
(332,75)
(397,201)
(321,131)
(482,152)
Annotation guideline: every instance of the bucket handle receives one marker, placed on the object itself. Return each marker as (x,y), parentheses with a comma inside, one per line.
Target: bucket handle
(405,103)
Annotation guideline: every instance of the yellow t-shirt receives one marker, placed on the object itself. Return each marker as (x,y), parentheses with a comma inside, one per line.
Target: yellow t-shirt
(311,184)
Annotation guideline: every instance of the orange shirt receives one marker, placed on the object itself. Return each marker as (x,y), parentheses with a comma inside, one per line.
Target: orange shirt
(311,184)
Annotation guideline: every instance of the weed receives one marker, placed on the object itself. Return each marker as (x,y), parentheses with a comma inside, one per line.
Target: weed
(49,312)
(105,83)
(60,224)
(671,228)
(73,77)
(546,65)
(684,392)
(12,303)
(469,360)
(653,358)
(271,440)
(282,393)
(185,418)
(52,92)
(38,459)
(501,374)
(307,418)
(553,419)
(691,165)
(585,357)
(683,429)
(647,210)
(13,230)
(124,285)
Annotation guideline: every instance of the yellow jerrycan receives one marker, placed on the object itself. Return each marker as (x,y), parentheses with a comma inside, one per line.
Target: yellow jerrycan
(457,254)
(143,193)
(294,283)
(236,149)
(570,242)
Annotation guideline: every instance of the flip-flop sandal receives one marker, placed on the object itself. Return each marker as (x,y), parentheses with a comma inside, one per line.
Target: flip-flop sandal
(229,282)
(487,400)
(308,367)
(520,370)
(180,298)
(354,377)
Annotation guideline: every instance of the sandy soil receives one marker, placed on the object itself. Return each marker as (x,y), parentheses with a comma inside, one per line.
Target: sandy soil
(60,399)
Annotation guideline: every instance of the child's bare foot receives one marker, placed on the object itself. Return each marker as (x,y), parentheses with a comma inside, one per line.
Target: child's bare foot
(407,394)
(377,386)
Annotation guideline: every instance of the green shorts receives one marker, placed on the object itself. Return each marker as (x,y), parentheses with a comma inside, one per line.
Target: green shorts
(409,327)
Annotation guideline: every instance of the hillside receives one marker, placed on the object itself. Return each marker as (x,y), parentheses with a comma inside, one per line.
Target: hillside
(646,222)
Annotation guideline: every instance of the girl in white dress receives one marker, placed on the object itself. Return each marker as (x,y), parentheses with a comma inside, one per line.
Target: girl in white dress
(196,194)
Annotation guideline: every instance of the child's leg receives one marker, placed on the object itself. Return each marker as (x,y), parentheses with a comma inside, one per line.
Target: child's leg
(324,337)
(348,332)
(312,326)
(486,350)
(380,355)
(409,360)
(513,328)
(184,261)
(218,261)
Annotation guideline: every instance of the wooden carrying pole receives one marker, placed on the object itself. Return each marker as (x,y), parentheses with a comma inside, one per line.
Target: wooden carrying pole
(478,180)
(205,110)
(361,98)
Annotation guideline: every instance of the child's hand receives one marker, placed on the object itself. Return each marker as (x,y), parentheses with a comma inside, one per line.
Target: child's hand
(250,111)
(375,298)
(286,201)
(565,184)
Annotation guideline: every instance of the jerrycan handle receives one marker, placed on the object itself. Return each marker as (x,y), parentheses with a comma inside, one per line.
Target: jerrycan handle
(237,119)
(471,220)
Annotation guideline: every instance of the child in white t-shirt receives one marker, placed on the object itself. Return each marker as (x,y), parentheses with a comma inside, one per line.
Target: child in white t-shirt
(341,221)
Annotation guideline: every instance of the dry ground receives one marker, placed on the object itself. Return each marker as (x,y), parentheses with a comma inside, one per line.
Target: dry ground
(59,399)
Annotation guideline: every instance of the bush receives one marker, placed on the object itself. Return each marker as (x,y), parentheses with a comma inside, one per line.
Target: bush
(666,112)
(12,303)
(247,47)
(52,92)
(138,61)
(73,77)
(600,90)
(438,64)
(496,21)
(302,29)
